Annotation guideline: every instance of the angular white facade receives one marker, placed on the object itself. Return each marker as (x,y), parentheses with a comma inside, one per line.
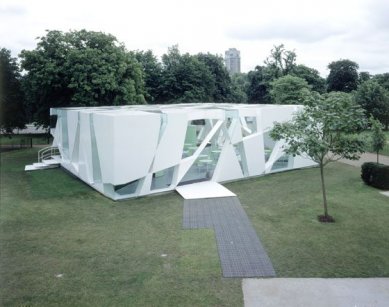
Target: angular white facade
(130,151)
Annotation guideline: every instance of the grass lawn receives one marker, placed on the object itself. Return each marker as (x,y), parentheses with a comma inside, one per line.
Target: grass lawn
(62,243)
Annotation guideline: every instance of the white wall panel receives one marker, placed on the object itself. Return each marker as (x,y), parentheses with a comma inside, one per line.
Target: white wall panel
(228,167)
(135,139)
(255,155)
(85,155)
(103,125)
(169,151)
(72,118)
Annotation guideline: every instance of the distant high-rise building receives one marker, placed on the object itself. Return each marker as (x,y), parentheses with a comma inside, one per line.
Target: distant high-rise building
(232,60)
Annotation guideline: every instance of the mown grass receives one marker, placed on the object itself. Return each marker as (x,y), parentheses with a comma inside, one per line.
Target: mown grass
(283,208)
(62,243)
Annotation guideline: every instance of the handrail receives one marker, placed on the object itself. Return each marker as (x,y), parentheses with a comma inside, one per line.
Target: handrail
(47,152)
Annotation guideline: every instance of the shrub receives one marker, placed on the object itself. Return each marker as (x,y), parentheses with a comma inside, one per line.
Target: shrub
(376,175)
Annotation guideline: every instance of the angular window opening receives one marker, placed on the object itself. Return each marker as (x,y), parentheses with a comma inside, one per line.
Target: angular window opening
(281,163)
(64,136)
(162,179)
(251,122)
(269,144)
(196,131)
(204,166)
(53,121)
(240,153)
(127,188)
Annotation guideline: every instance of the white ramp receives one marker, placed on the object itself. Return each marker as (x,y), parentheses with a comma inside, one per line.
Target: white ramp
(205,189)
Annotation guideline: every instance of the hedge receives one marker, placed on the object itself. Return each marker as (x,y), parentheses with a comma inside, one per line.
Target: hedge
(376,175)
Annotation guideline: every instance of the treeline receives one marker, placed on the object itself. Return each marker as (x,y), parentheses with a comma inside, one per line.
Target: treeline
(85,68)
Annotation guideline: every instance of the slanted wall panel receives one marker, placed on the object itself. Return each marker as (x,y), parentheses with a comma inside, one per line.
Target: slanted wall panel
(169,151)
(135,140)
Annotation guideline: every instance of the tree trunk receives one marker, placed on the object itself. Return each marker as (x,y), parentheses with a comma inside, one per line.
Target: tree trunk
(323,188)
(377,156)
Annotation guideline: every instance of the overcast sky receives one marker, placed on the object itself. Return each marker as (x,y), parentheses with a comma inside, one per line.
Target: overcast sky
(319,31)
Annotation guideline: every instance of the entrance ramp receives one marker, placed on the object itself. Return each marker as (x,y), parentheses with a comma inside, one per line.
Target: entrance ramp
(205,189)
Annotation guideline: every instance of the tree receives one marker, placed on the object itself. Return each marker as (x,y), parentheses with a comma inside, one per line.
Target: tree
(259,86)
(185,78)
(364,76)
(375,100)
(280,62)
(324,131)
(343,76)
(289,90)
(80,68)
(312,76)
(152,74)
(221,77)
(378,139)
(240,85)
(383,80)
(12,114)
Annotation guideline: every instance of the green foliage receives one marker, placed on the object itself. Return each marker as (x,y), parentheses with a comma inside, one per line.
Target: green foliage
(185,78)
(290,90)
(79,68)
(312,76)
(383,80)
(222,82)
(376,175)
(240,85)
(364,76)
(259,85)
(280,62)
(375,100)
(12,114)
(152,72)
(194,78)
(343,76)
(324,131)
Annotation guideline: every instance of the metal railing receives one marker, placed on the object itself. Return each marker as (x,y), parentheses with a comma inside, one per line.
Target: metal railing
(47,152)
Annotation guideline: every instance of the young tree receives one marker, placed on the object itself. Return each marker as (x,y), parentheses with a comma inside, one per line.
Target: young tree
(12,114)
(80,68)
(378,139)
(289,90)
(324,131)
(343,76)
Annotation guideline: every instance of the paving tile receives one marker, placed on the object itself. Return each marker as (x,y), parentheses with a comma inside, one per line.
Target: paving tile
(240,251)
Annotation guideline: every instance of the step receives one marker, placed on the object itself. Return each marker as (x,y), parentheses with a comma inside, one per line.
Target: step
(39,166)
(50,162)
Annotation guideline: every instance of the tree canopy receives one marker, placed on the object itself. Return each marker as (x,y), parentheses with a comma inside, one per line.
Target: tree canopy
(375,100)
(343,76)
(12,114)
(324,131)
(290,90)
(79,68)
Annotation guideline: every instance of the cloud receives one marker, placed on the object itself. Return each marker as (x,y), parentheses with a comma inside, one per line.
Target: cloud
(12,10)
(302,32)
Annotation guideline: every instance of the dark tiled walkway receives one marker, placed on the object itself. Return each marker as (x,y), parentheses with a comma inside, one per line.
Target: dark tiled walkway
(240,250)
